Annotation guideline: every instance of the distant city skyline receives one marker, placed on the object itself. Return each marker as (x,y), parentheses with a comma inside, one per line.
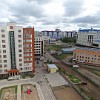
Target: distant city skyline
(51,14)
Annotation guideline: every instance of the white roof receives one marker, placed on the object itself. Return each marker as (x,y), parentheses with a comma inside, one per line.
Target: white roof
(52,66)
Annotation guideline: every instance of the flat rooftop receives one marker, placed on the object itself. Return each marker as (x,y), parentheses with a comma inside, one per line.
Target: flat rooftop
(52,66)
(55,79)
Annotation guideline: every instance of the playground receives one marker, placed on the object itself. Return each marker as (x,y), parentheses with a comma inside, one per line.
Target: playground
(29,92)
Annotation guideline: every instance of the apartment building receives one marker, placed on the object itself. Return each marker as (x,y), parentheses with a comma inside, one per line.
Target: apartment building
(89,37)
(87,55)
(16,50)
(39,47)
(57,34)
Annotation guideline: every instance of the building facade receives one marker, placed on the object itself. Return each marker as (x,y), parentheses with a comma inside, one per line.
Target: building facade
(89,37)
(39,47)
(16,49)
(87,55)
(57,34)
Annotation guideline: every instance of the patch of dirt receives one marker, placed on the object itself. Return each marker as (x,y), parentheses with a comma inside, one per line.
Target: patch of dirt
(67,93)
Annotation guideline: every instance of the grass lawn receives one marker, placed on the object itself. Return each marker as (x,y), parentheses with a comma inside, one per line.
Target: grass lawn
(74,79)
(61,56)
(54,47)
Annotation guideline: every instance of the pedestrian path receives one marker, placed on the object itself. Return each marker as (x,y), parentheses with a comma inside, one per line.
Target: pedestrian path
(19,92)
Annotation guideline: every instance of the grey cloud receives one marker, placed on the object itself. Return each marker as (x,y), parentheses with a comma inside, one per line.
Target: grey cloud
(40,1)
(27,9)
(82,25)
(87,20)
(20,19)
(73,7)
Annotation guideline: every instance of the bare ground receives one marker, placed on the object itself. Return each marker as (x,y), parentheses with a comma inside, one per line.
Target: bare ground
(90,89)
(67,93)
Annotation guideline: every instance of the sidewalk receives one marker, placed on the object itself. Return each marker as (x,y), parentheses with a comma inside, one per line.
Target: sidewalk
(19,92)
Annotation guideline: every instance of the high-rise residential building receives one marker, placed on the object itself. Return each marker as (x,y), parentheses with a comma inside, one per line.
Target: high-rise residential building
(57,34)
(89,37)
(16,50)
(39,47)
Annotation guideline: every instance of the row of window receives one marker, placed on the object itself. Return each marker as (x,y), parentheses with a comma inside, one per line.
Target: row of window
(90,61)
(28,59)
(2,30)
(88,58)
(1,71)
(28,54)
(3,36)
(26,68)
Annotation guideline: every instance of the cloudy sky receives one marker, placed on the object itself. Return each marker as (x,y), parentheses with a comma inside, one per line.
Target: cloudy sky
(51,14)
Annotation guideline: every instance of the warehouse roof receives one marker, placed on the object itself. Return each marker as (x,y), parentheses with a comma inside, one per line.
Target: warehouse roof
(68,49)
(92,49)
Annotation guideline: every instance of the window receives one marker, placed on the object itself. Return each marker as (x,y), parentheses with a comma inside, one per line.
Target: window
(0,66)
(19,41)
(20,64)
(2,30)
(19,31)
(20,60)
(20,45)
(3,36)
(4,56)
(5,65)
(21,69)
(20,50)
(5,70)
(20,55)
(11,27)
(5,61)
(3,46)
(4,51)
(19,36)
(3,41)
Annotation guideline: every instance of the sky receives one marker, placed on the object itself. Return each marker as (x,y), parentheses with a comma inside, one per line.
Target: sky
(51,14)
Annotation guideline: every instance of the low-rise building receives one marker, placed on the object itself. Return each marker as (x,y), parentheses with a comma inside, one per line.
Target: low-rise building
(52,68)
(87,56)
